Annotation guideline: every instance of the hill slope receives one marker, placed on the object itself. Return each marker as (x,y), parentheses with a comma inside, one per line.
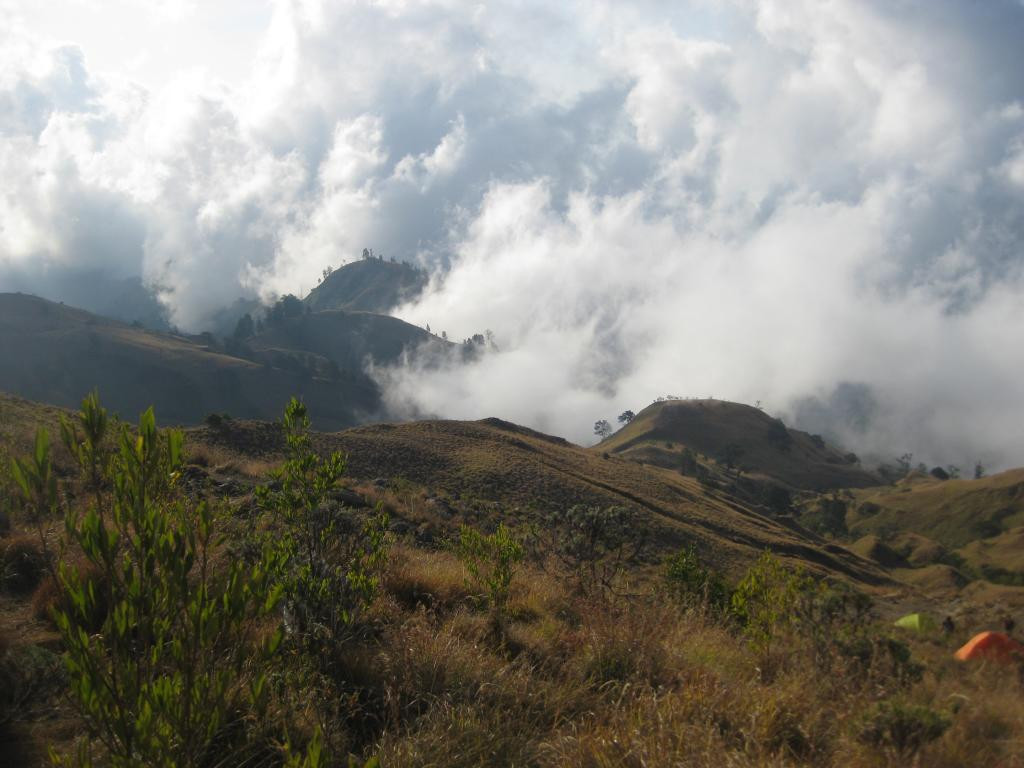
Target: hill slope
(349,338)
(370,285)
(493,468)
(739,434)
(975,524)
(951,512)
(56,354)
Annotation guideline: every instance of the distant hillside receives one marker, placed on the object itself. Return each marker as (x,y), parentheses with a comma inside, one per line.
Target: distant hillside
(494,470)
(977,525)
(348,339)
(951,512)
(57,354)
(732,433)
(370,285)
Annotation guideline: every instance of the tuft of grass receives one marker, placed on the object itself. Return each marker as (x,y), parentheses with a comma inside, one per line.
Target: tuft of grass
(226,462)
(623,645)
(22,564)
(418,578)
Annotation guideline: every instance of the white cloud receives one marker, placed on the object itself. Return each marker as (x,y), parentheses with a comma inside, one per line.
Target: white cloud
(759,199)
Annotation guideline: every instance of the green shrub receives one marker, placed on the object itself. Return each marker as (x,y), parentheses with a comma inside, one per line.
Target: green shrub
(165,679)
(688,581)
(50,595)
(172,677)
(491,562)
(594,544)
(835,621)
(331,561)
(91,448)
(36,481)
(765,602)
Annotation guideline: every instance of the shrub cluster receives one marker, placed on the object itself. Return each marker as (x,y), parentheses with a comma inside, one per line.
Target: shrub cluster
(174,650)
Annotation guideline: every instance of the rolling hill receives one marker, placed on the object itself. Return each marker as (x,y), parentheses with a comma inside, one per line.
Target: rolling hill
(427,662)
(370,285)
(491,470)
(975,525)
(732,433)
(56,354)
(950,512)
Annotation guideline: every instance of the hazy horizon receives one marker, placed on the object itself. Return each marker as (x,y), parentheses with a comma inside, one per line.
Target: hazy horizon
(816,206)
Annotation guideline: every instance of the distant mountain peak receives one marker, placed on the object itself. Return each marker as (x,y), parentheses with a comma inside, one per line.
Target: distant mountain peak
(369,285)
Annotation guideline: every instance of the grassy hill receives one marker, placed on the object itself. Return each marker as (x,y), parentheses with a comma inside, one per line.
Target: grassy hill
(427,673)
(491,470)
(974,524)
(56,354)
(950,512)
(732,433)
(370,285)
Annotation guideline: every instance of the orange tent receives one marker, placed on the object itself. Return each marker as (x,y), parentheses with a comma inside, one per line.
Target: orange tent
(997,646)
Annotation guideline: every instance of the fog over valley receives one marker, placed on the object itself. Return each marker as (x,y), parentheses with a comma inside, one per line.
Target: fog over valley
(817,207)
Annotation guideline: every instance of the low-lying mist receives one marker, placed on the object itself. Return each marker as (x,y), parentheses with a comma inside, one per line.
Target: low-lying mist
(816,206)
(605,306)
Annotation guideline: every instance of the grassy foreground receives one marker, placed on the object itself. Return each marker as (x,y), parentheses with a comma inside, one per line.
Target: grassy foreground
(493,648)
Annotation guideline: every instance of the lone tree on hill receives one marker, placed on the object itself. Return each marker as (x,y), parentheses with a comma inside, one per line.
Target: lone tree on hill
(602,428)
(626,416)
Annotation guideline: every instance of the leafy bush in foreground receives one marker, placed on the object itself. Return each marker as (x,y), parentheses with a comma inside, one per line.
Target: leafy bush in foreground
(765,602)
(329,574)
(173,675)
(491,561)
(688,581)
(330,566)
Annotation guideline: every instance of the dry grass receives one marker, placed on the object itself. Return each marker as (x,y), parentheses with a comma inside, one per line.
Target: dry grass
(640,682)
(49,595)
(225,462)
(646,684)
(431,580)
(428,679)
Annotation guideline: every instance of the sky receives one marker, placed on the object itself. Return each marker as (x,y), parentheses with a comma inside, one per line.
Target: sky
(814,204)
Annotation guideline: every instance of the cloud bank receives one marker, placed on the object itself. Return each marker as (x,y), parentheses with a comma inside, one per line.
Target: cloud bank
(815,205)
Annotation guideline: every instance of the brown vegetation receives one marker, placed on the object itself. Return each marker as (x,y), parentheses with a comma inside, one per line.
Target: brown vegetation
(425,676)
